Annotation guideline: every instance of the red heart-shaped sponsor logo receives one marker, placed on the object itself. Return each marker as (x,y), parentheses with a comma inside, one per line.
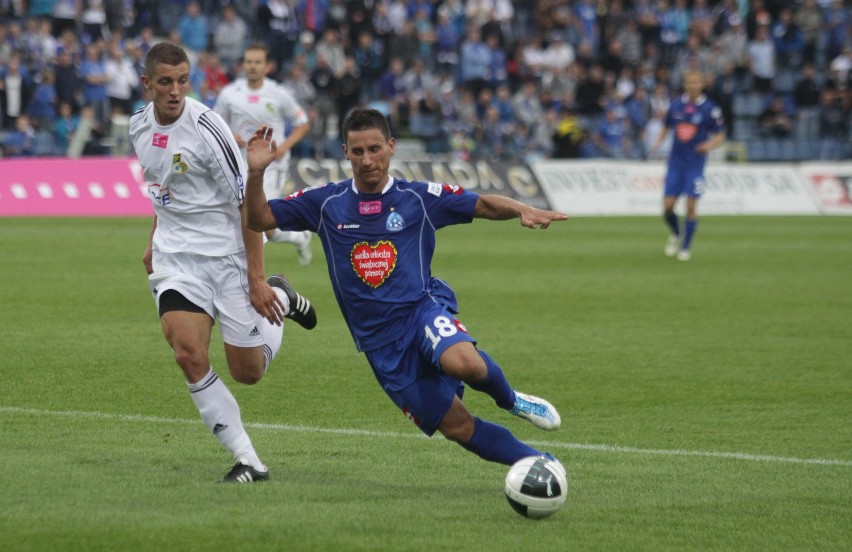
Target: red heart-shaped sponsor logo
(685,131)
(373,263)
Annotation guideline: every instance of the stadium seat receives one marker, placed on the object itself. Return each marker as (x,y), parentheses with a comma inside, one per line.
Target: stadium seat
(788,150)
(773,149)
(745,128)
(756,149)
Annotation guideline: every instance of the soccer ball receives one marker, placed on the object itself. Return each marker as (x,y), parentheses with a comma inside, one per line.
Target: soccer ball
(536,486)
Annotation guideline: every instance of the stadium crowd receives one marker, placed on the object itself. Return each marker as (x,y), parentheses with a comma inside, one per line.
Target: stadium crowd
(489,79)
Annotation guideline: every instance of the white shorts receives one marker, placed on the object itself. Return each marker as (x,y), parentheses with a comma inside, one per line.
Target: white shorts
(275,182)
(219,285)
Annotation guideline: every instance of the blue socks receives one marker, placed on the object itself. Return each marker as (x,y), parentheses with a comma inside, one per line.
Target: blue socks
(690,231)
(497,444)
(671,221)
(495,384)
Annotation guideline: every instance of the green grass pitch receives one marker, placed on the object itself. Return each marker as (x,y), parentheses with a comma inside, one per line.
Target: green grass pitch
(706,405)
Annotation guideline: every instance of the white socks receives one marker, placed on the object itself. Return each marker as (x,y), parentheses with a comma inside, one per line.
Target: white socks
(285,236)
(221,413)
(272,334)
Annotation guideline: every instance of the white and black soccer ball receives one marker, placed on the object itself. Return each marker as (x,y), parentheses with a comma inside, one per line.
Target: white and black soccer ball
(536,487)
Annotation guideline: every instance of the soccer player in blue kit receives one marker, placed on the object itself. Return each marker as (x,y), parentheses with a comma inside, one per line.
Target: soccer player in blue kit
(698,128)
(378,235)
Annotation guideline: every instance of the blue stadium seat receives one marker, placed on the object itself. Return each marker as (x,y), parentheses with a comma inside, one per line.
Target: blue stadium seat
(745,128)
(788,150)
(756,149)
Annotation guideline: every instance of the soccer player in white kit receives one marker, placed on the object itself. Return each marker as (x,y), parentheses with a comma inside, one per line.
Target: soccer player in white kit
(203,261)
(253,101)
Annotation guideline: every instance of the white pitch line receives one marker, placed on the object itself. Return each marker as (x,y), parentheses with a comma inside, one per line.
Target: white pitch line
(369,433)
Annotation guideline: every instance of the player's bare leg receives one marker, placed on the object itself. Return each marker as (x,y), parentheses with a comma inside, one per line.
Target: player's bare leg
(674,241)
(690,226)
(478,370)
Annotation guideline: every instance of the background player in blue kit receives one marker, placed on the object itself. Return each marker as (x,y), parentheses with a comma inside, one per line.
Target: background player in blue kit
(378,234)
(698,128)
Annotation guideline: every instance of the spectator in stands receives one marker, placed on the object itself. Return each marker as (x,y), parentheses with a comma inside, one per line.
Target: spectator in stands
(474,61)
(64,15)
(68,82)
(647,15)
(382,29)
(95,78)
(840,70)
(405,44)
(631,43)
(776,121)
(370,60)
(612,135)
(347,87)
(694,56)
(313,14)
(734,42)
(493,137)
(586,23)
(638,110)
(229,38)
(330,48)
(762,59)
(194,30)
(834,125)
(305,52)
(20,141)
(806,95)
(169,15)
(65,127)
(674,27)
(15,90)
(417,80)
(497,72)
(590,92)
(42,106)
(722,89)
(613,17)
(808,17)
(95,132)
(447,42)
(837,22)
(123,79)
(527,106)
(702,19)
(568,136)
(425,33)
(299,84)
(93,18)
(789,42)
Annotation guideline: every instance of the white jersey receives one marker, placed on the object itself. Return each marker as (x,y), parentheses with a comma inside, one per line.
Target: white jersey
(195,179)
(246,109)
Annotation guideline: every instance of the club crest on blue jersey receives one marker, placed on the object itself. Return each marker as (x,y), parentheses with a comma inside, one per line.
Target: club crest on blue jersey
(395,222)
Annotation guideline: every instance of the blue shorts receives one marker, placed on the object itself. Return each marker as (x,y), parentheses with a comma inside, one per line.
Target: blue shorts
(687,181)
(409,369)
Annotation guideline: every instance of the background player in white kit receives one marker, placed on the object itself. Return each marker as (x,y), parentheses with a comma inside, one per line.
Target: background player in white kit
(203,261)
(253,101)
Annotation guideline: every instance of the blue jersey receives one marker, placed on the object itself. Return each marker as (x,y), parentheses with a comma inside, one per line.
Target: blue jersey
(379,248)
(692,124)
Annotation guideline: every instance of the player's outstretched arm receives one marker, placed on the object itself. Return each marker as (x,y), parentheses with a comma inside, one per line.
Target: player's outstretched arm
(497,207)
(260,152)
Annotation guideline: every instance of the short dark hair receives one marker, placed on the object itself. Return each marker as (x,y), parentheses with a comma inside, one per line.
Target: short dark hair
(363,118)
(260,47)
(167,53)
